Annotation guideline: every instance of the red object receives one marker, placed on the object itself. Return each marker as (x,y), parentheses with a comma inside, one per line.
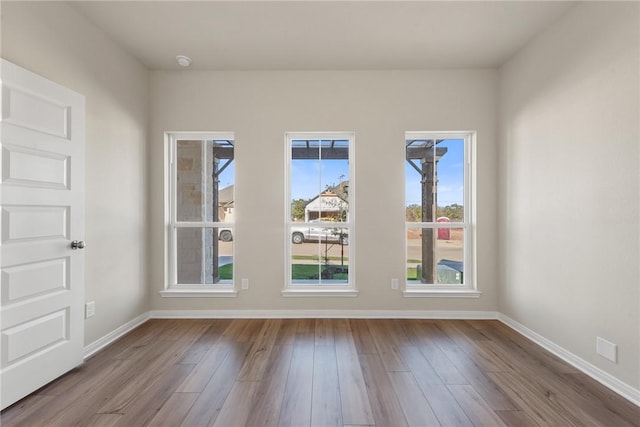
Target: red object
(444,233)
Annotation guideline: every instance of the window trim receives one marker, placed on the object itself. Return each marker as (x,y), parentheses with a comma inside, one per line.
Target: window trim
(305,290)
(171,287)
(469,288)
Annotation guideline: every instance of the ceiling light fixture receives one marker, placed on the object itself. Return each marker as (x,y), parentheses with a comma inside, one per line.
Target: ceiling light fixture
(183,61)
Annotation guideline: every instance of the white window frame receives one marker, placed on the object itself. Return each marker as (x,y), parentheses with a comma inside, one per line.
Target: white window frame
(310,290)
(172,288)
(467,289)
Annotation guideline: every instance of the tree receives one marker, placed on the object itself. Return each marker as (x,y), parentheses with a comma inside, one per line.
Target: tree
(454,211)
(414,213)
(297,208)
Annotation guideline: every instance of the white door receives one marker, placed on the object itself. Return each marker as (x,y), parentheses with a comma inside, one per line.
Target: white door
(41,196)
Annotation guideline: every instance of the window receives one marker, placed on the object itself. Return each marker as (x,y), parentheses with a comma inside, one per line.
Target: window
(201,213)
(438,214)
(319,214)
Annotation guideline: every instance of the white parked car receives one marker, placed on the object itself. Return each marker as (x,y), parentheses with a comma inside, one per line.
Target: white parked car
(303,234)
(321,234)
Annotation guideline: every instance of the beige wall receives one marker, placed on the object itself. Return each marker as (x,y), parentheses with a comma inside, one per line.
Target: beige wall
(569,113)
(52,40)
(379,107)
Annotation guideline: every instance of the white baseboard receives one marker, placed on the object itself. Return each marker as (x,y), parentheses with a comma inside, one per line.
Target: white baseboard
(326,314)
(609,381)
(99,344)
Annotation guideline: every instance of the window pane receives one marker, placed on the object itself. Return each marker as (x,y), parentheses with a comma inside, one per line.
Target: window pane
(203,258)
(450,180)
(434,176)
(319,222)
(435,256)
(305,186)
(205,178)
(319,255)
(319,180)
(189,190)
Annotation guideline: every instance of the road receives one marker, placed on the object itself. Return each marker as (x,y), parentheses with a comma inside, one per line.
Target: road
(445,249)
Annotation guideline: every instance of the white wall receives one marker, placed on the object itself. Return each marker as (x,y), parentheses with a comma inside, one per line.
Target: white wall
(569,114)
(51,39)
(379,107)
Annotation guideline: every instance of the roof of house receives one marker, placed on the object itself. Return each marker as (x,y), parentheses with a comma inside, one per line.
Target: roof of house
(327,201)
(225,196)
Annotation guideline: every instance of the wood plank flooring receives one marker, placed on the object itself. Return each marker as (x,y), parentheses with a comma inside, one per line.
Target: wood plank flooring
(323,372)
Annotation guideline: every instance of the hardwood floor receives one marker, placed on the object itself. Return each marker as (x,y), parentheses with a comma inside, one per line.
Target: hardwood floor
(323,372)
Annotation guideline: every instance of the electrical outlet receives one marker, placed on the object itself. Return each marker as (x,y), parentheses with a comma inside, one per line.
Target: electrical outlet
(607,349)
(394,283)
(245,284)
(89,309)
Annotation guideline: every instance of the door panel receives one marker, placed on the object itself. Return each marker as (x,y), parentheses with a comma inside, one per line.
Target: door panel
(34,279)
(42,280)
(34,223)
(36,335)
(36,168)
(35,111)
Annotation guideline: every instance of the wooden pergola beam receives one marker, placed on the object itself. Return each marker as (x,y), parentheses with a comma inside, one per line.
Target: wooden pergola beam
(425,154)
(222,152)
(428,157)
(317,153)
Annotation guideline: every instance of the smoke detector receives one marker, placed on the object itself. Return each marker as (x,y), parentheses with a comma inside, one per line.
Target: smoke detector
(183,61)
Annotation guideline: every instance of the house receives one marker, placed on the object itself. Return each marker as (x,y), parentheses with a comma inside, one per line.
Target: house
(325,205)
(549,88)
(225,200)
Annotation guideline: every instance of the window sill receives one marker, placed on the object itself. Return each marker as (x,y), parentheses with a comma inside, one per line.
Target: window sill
(199,293)
(441,293)
(296,293)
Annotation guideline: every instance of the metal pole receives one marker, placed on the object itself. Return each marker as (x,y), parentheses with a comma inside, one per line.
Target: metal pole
(215,251)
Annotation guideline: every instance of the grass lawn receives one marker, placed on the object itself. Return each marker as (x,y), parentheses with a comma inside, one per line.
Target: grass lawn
(226,272)
(313,272)
(299,272)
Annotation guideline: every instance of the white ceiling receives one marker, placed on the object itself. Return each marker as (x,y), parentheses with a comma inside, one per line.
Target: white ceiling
(322,35)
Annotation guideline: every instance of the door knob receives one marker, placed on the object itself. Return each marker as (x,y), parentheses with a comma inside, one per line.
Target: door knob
(77,244)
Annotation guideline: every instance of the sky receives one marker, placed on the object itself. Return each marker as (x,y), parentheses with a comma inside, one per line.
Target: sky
(305,178)
(310,177)
(227,176)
